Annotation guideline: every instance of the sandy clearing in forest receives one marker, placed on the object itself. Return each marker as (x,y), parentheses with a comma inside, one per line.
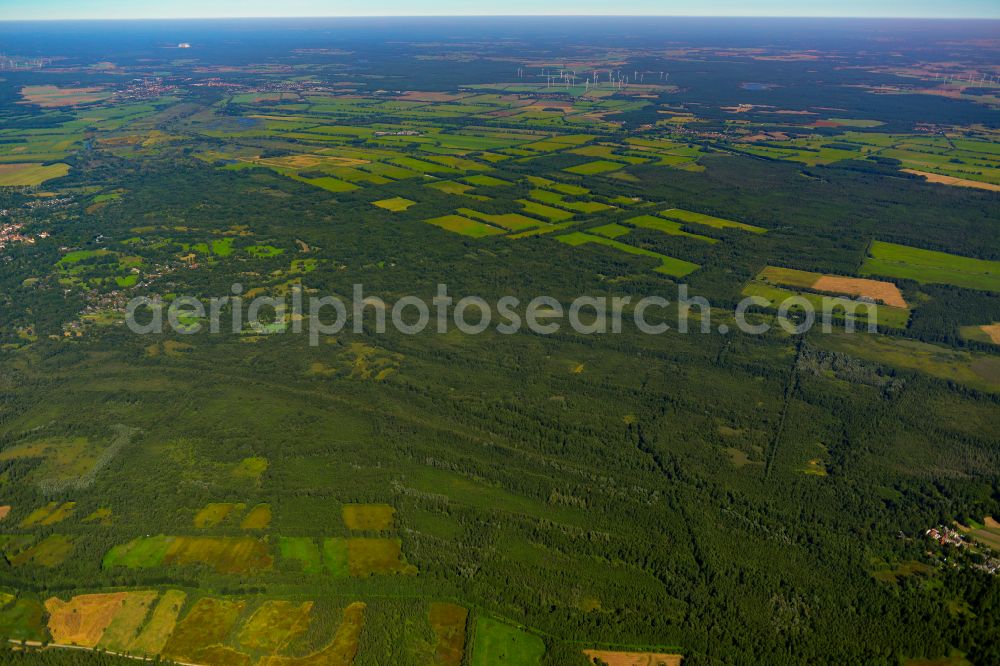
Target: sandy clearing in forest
(612,658)
(951,180)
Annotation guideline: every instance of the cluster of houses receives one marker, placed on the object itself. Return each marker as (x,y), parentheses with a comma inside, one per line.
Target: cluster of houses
(10,233)
(948,536)
(149,87)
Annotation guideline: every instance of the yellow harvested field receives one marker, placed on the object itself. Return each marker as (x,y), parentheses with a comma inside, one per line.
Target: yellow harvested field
(372,517)
(951,180)
(612,658)
(161,624)
(876,290)
(4,511)
(83,619)
(29,174)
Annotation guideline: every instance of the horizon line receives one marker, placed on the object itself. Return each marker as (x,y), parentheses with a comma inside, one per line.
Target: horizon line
(473,16)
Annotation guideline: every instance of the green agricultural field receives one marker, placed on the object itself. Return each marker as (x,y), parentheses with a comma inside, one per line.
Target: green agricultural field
(264,251)
(480,180)
(23,619)
(609,153)
(394,204)
(586,207)
(593,168)
(160,625)
(128,620)
(928,266)
(609,230)
(709,220)
(303,265)
(29,174)
(509,221)
(500,643)
(423,166)
(141,553)
(545,229)
(50,552)
(548,197)
(335,557)
(464,226)
(547,212)
(457,163)
(556,186)
(671,227)
(668,265)
(450,187)
(330,184)
(302,550)
(222,247)
(544,146)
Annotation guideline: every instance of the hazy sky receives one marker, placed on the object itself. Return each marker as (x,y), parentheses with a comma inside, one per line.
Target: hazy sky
(96,9)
